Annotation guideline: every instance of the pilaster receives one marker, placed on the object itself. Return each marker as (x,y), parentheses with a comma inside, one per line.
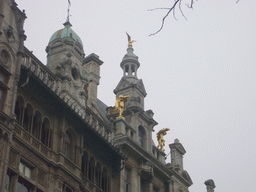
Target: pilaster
(120,125)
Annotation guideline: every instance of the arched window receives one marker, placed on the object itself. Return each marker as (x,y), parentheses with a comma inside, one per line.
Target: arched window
(66,188)
(91,169)
(105,181)
(46,135)
(98,174)
(67,146)
(142,136)
(37,123)
(19,109)
(85,164)
(28,118)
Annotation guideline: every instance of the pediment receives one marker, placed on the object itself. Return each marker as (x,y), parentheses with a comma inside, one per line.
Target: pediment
(186,176)
(181,149)
(123,83)
(139,84)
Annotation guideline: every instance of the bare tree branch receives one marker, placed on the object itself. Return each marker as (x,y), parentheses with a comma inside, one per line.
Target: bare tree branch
(181,10)
(191,4)
(158,8)
(170,9)
(173,13)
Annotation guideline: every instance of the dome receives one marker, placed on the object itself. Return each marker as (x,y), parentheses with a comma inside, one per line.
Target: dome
(66,32)
(130,57)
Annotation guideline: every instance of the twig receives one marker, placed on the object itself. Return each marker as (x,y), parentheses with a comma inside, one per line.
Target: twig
(170,9)
(181,10)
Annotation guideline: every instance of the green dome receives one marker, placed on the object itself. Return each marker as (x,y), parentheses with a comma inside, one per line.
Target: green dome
(66,32)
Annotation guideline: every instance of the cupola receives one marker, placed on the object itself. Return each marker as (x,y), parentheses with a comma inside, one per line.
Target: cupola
(67,31)
(130,64)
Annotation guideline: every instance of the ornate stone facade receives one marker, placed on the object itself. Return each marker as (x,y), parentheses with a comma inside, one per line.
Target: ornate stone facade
(57,136)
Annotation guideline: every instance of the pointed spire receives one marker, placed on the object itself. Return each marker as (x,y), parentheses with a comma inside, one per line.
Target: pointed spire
(69,4)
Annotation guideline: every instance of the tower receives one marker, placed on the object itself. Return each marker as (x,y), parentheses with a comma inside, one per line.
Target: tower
(130,84)
(12,37)
(65,56)
(140,121)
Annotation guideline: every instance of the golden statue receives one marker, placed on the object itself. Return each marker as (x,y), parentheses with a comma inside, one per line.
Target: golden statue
(160,138)
(129,40)
(119,105)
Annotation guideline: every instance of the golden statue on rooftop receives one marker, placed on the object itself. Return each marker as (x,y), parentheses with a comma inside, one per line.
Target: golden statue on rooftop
(119,105)
(129,40)
(160,138)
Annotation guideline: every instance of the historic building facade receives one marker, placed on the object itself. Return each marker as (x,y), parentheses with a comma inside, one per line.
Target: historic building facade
(57,136)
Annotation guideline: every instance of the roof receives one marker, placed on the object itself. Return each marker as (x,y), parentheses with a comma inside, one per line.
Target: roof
(66,32)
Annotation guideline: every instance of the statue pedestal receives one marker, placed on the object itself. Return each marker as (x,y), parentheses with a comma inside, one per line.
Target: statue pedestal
(120,125)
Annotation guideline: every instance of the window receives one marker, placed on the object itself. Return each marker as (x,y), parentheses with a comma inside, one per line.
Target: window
(46,133)
(19,108)
(98,174)
(127,180)
(7,186)
(37,123)
(91,169)
(131,134)
(23,186)
(67,146)
(142,136)
(66,188)
(85,164)
(25,170)
(142,185)
(28,117)
(1,98)
(3,88)
(105,181)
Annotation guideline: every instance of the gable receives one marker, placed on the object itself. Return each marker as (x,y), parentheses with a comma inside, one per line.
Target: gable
(125,84)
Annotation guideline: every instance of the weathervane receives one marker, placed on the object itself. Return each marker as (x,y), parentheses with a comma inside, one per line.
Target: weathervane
(69,4)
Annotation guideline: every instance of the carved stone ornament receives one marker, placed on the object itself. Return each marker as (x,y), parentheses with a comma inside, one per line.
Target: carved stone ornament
(4,57)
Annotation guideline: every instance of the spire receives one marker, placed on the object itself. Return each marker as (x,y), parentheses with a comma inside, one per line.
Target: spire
(130,84)
(130,62)
(69,4)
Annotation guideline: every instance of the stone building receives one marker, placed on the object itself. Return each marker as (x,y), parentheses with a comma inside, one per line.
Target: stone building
(57,136)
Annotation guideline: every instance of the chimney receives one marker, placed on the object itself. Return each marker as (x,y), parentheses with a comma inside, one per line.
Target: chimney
(92,65)
(209,185)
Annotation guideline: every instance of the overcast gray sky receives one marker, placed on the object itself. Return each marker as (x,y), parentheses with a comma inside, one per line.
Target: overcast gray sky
(199,73)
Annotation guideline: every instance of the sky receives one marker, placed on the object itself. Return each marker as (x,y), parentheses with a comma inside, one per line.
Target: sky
(199,73)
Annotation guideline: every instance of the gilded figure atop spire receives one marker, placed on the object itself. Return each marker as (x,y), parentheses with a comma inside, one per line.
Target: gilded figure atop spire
(129,40)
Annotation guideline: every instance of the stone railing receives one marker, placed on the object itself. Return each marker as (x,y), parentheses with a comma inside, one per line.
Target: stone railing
(31,141)
(55,85)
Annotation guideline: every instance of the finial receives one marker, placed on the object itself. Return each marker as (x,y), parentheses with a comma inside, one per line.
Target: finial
(69,4)
(129,40)
(160,138)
